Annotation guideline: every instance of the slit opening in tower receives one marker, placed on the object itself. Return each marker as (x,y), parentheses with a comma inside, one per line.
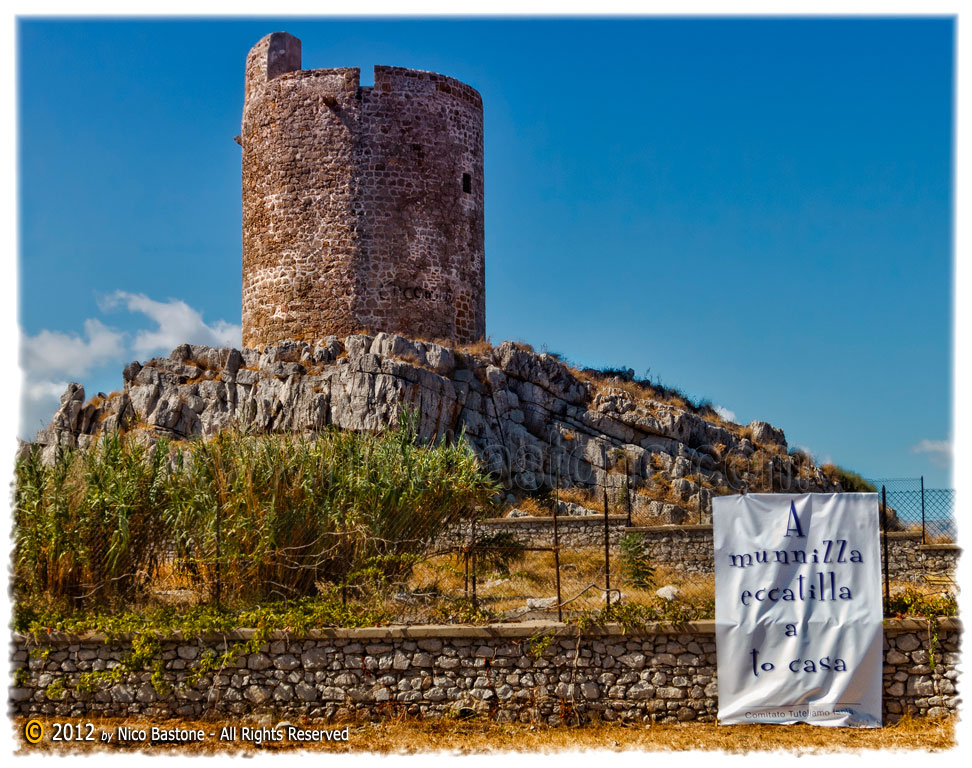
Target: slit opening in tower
(467,183)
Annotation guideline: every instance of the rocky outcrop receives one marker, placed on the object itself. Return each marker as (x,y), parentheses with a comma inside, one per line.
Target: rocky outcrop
(530,417)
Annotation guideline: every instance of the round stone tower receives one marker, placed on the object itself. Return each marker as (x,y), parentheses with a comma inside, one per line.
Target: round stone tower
(362,206)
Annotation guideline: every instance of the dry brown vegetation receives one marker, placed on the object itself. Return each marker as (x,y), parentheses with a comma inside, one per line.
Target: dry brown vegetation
(586,498)
(656,488)
(534,575)
(534,506)
(481,348)
(581,577)
(98,399)
(543,507)
(406,736)
(651,396)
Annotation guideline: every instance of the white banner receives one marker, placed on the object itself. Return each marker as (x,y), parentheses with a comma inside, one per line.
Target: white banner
(799,634)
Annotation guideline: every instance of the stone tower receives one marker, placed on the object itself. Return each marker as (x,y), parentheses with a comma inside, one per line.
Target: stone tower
(362,206)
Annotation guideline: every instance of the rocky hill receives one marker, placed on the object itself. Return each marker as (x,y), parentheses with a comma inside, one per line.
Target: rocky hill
(531,418)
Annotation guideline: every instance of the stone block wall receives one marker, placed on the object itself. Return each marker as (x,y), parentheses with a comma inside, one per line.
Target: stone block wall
(911,560)
(572,532)
(941,558)
(362,205)
(920,669)
(689,548)
(531,672)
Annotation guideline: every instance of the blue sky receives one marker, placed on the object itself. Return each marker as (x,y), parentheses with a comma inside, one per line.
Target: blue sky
(758,212)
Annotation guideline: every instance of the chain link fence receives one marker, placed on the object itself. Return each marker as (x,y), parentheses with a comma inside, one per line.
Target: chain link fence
(561,565)
(594,557)
(912,506)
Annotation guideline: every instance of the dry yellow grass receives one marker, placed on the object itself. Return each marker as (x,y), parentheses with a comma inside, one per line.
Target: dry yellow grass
(534,576)
(408,736)
(534,507)
(584,497)
(650,397)
(481,348)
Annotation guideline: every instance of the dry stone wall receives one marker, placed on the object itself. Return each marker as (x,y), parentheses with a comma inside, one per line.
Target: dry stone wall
(362,205)
(689,548)
(535,672)
(909,559)
(683,548)
(940,558)
(572,532)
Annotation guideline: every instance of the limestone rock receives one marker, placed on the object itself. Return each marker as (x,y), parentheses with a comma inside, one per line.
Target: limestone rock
(541,603)
(767,434)
(528,416)
(668,592)
(516,513)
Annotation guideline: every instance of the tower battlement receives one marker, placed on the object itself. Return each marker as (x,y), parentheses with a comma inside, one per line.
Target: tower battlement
(362,206)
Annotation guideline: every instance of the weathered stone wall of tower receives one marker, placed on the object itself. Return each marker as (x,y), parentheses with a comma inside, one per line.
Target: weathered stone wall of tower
(362,207)
(421,149)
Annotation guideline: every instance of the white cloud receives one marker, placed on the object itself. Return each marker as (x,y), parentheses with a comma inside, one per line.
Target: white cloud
(68,354)
(932,446)
(50,359)
(176,323)
(39,399)
(43,390)
(939,451)
(724,413)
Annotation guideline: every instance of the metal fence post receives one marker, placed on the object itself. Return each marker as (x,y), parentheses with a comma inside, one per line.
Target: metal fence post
(472,574)
(344,552)
(923,510)
(218,555)
(556,510)
(627,490)
(607,554)
(700,497)
(887,564)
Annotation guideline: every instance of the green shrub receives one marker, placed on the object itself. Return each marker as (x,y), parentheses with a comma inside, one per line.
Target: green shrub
(635,565)
(635,616)
(497,552)
(911,602)
(850,482)
(296,512)
(92,526)
(194,621)
(263,516)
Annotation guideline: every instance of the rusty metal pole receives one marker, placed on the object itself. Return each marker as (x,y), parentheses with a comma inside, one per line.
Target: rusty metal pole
(923,510)
(700,496)
(473,573)
(347,559)
(627,489)
(607,555)
(887,565)
(556,509)
(219,565)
